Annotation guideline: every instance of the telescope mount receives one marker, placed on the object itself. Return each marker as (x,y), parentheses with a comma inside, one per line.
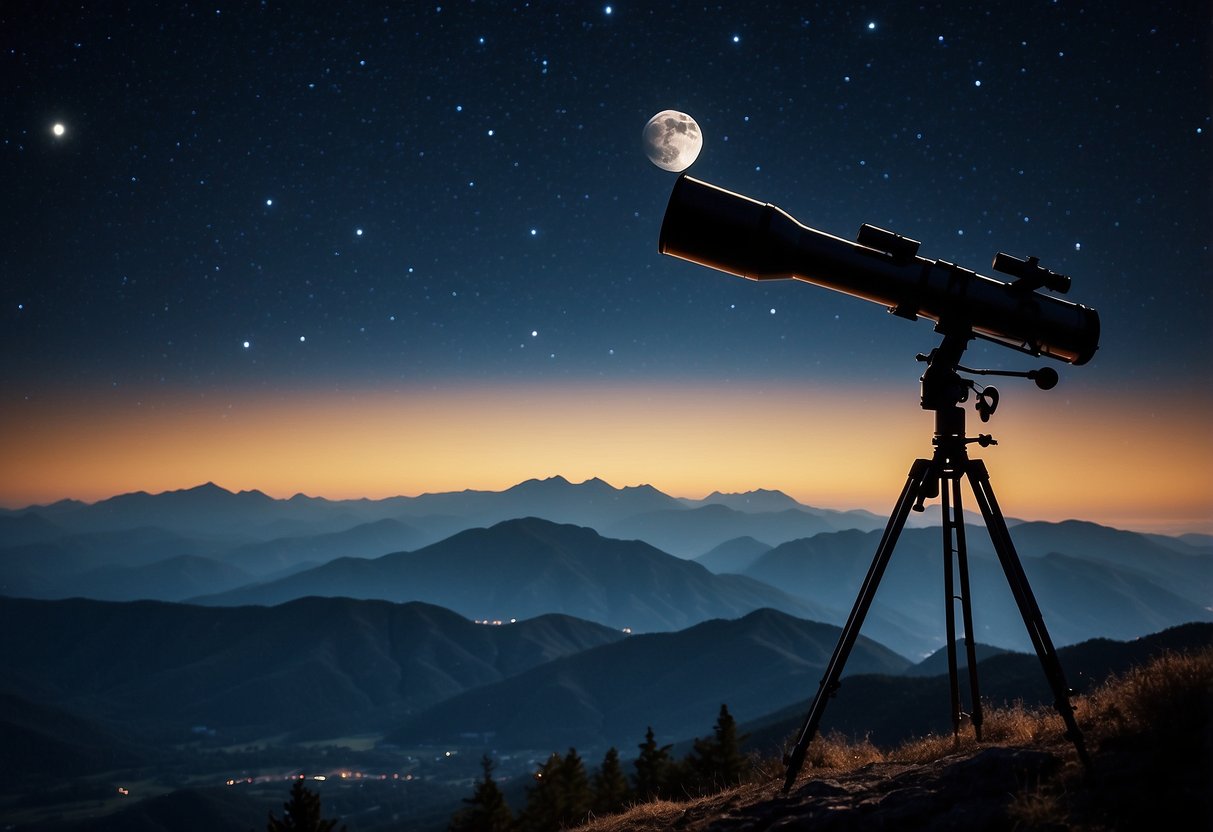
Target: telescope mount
(943,390)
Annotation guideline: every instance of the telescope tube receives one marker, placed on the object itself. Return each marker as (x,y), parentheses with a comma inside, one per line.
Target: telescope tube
(723,230)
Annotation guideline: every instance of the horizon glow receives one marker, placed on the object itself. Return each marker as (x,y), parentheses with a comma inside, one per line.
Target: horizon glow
(829,447)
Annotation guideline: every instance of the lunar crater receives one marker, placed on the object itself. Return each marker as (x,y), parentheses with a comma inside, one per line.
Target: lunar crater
(672,140)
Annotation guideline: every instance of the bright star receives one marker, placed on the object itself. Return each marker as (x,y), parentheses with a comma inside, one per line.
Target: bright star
(58,129)
(247,344)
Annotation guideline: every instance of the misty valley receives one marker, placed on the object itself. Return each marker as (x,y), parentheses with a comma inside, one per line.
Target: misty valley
(174,660)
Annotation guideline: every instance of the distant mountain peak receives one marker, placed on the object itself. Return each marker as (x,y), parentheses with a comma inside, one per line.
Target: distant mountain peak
(753,492)
(535,482)
(207,487)
(210,490)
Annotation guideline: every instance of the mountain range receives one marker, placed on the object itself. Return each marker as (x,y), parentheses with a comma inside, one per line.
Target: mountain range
(526,567)
(1090,581)
(760,549)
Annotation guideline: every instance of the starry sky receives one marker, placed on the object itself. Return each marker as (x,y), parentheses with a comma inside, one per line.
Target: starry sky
(362,249)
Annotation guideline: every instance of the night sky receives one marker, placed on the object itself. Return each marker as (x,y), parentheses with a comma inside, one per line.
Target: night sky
(368,249)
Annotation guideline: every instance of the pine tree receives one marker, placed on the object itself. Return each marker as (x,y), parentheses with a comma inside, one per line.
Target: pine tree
(545,799)
(611,790)
(652,769)
(716,762)
(301,813)
(578,798)
(486,810)
(560,797)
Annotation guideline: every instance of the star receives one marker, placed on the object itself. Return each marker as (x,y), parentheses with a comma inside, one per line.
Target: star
(58,129)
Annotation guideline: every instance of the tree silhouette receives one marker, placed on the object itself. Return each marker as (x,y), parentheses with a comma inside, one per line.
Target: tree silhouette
(578,798)
(652,769)
(611,790)
(486,810)
(717,762)
(560,797)
(301,813)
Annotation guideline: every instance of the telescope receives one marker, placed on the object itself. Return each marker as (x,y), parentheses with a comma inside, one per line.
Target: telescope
(733,233)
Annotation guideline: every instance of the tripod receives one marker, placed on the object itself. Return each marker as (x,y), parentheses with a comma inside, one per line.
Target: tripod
(942,392)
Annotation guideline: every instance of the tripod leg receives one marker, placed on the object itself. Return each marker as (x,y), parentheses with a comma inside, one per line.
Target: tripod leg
(947,491)
(966,608)
(920,472)
(979,478)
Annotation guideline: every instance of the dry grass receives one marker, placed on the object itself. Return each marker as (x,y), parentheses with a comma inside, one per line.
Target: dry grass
(663,814)
(838,753)
(1168,701)
(1163,709)
(1038,807)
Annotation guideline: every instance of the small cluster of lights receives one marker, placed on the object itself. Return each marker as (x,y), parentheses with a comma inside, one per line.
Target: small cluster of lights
(344,775)
(493,622)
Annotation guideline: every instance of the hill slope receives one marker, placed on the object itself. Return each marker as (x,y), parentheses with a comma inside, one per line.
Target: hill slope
(314,667)
(674,682)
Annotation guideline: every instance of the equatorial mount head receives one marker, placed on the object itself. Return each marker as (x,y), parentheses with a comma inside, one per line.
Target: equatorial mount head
(943,388)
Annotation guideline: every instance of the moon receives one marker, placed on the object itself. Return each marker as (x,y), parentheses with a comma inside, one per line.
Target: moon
(672,140)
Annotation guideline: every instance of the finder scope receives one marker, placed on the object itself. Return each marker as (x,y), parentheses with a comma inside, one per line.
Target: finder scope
(733,233)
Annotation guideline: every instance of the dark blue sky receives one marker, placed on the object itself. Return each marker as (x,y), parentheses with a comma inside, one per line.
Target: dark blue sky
(406,191)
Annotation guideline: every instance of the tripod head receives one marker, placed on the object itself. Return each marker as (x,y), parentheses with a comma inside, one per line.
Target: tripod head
(944,389)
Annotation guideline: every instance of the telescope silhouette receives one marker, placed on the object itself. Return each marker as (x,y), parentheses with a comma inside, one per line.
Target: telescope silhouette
(724,230)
